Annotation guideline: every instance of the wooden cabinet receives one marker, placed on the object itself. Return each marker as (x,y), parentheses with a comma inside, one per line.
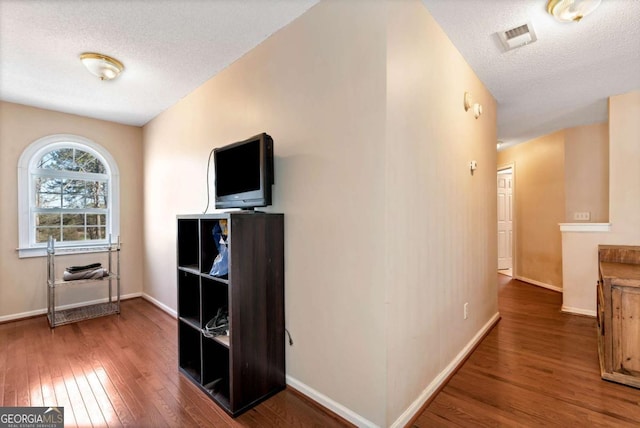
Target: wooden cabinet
(239,369)
(618,314)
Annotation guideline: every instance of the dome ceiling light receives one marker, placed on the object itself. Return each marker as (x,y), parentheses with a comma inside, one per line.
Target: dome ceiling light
(571,10)
(102,66)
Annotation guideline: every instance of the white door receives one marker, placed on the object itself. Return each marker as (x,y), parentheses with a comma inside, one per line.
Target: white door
(505,218)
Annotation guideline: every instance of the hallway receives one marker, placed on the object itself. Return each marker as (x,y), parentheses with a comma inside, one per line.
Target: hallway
(537,367)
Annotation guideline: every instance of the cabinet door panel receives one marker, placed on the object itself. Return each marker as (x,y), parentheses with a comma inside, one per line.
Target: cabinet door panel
(626,329)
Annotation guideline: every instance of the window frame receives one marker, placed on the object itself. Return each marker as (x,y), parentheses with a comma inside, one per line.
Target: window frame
(28,247)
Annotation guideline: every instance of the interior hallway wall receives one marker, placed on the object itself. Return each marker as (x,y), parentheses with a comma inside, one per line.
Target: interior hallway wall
(539,205)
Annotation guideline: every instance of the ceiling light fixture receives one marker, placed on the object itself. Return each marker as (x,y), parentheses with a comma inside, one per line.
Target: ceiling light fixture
(571,10)
(102,66)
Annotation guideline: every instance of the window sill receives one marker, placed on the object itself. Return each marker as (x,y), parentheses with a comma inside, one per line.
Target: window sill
(61,251)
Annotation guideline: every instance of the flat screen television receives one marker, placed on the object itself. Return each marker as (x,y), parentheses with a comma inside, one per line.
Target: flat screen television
(244,173)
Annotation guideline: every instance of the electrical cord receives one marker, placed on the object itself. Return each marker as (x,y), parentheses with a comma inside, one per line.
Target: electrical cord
(207,179)
(290,339)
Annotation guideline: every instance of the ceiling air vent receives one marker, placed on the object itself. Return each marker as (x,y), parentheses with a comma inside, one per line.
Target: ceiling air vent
(518,36)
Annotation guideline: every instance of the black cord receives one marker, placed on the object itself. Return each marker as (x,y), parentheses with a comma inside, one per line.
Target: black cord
(290,339)
(207,178)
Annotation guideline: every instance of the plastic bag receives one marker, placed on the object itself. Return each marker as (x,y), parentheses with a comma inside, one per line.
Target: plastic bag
(221,263)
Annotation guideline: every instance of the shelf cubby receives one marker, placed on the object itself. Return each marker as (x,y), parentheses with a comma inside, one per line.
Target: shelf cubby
(208,247)
(188,297)
(214,297)
(188,242)
(216,373)
(189,349)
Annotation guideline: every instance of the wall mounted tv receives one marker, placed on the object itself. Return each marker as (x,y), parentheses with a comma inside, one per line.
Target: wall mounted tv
(244,173)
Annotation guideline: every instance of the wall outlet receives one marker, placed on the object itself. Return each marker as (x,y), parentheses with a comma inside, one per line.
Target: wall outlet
(582,216)
(466,310)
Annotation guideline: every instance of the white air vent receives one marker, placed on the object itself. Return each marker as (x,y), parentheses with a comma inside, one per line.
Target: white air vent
(518,36)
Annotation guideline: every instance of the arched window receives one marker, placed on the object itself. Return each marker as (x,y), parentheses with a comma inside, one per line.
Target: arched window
(68,189)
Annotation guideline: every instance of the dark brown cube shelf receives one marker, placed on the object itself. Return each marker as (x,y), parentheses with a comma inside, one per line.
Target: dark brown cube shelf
(242,369)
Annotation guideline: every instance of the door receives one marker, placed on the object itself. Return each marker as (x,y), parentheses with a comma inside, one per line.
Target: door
(505,218)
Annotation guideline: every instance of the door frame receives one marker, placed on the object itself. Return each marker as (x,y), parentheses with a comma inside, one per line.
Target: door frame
(511,166)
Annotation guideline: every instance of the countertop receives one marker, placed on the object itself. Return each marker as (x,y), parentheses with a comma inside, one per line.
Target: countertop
(625,274)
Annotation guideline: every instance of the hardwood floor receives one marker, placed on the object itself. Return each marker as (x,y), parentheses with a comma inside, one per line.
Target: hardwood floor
(537,367)
(123,371)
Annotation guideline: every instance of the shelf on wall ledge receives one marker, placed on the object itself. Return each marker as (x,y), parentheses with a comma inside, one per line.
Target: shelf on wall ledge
(585,227)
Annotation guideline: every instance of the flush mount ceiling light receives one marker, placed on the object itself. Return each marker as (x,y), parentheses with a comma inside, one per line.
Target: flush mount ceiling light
(102,66)
(571,10)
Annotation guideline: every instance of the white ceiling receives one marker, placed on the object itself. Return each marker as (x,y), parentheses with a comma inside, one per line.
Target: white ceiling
(170,47)
(561,80)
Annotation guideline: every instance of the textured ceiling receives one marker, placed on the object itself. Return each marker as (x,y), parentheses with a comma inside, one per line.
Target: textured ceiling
(170,47)
(561,80)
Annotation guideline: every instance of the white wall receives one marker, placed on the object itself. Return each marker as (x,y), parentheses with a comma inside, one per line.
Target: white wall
(580,250)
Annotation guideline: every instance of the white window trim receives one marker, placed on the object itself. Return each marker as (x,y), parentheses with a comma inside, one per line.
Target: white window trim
(27,246)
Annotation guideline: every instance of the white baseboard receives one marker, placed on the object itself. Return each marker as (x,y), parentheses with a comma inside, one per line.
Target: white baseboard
(435,385)
(578,311)
(28,314)
(330,404)
(539,284)
(416,406)
(160,305)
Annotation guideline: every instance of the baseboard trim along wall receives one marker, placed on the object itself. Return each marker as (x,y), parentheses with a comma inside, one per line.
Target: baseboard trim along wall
(29,314)
(160,305)
(329,404)
(440,380)
(404,419)
(578,311)
(539,284)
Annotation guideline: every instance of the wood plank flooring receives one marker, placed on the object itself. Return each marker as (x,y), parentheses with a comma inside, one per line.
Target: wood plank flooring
(537,367)
(123,371)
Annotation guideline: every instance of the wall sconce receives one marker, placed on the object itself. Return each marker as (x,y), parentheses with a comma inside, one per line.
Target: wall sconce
(469,104)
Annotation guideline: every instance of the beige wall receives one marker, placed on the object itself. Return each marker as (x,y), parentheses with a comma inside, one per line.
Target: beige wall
(23,281)
(318,88)
(441,241)
(539,205)
(624,158)
(580,250)
(586,172)
(387,233)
